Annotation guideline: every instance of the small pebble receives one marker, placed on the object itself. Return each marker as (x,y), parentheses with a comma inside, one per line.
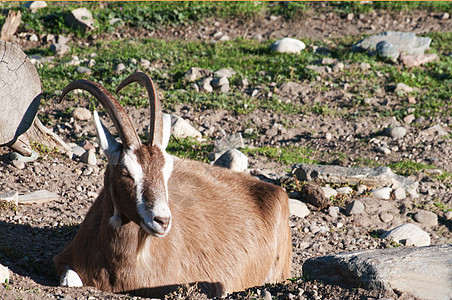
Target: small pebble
(354,208)
(386,217)
(333,211)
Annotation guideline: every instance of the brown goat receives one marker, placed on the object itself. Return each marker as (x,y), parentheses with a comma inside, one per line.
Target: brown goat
(160,222)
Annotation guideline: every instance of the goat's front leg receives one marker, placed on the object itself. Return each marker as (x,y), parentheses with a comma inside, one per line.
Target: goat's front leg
(70,278)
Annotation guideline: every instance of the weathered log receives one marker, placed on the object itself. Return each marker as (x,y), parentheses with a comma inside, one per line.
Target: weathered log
(10,26)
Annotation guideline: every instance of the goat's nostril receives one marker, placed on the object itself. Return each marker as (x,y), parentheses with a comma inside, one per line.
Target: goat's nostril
(163,221)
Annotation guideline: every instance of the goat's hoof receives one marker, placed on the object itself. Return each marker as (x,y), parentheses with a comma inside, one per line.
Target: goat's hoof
(70,279)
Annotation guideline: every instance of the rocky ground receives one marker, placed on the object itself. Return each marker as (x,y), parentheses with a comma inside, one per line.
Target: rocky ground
(33,234)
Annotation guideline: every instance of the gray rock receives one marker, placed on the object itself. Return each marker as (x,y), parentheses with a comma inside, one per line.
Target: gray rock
(34,38)
(406,42)
(33,6)
(416,236)
(383,150)
(119,68)
(19,164)
(436,130)
(194,74)
(298,208)
(84,70)
(344,190)
(205,85)
(399,193)
(333,211)
(354,208)
(360,189)
(230,141)
(80,18)
(225,88)
(4,274)
(267,295)
(417,60)
(145,64)
(180,128)
(387,51)
(409,118)
(396,132)
(218,82)
(287,45)
(423,272)
(448,215)
(377,177)
(291,89)
(82,114)
(403,88)
(89,157)
(386,217)
(382,193)
(225,72)
(426,218)
(59,49)
(329,192)
(78,151)
(233,159)
(62,39)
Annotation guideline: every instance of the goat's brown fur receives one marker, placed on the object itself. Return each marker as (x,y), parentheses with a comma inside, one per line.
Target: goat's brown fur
(230,231)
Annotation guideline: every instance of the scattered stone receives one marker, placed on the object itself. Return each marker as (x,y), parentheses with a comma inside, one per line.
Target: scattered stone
(426,218)
(417,60)
(114,21)
(328,61)
(225,72)
(396,132)
(205,85)
(81,113)
(399,193)
(445,16)
(383,150)
(403,88)
(231,141)
(38,197)
(144,63)
(194,74)
(329,192)
(298,208)
(387,51)
(436,130)
(89,157)
(386,217)
(364,66)
(218,82)
(62,39)
(448,215)
(382,193)
(4,274)
(338,66)
(19,164)
(287,45)
(258,37)
(314,195)
(119,68)
(406,42)
(12,197)
(180,128)
(233,159)
(33,6)
(77,150)
(420,272)
(319,69)
(354,208)
(84,70)
(417,237)
(80,18)
(409,118)
(345,190)
(411,99)
(333,211)
(267,295)
(34,38)
(376,177)
(59,49)
(360,189)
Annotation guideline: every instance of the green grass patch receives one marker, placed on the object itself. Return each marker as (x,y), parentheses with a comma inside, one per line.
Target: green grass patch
(286,155)
(189,148)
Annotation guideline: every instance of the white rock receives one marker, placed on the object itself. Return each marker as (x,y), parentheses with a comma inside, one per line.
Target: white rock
(396,132)
(401,234)
(328,192)
(34,38)
(81,114)
(382,193)
(233,159)
(180,128)
(219,82)
(77,150)
(448,215)
(360,189)
(205,86)
(119,68)
(12,197)
(344,190)
(386,217)
(224,73)
(89,157)
(399,193)
(383,150)
(288,45)
(426,218)
(333,211)
(194,74)
(402,87)
(298,208)
(33,6)
(354,208)
(80,18)
(4,274)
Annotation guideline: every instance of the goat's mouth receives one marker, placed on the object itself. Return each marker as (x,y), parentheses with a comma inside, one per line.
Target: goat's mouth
(155,229)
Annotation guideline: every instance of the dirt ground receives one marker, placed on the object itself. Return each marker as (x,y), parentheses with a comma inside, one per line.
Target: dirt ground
(31,235)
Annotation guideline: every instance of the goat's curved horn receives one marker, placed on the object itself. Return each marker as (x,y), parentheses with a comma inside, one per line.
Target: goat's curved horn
(117,113)
(156,123)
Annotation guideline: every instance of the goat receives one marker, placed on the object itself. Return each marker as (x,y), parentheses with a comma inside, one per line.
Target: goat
(160,222)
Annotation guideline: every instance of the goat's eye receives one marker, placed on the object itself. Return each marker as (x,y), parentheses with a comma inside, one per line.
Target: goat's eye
(124,172)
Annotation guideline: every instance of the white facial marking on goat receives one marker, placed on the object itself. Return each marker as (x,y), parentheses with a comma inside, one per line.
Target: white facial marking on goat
(160,206)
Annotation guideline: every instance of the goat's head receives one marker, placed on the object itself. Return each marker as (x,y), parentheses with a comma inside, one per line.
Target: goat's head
(137,174)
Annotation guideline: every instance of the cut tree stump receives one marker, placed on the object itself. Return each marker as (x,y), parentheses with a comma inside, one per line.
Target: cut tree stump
(10,26)
(20,95)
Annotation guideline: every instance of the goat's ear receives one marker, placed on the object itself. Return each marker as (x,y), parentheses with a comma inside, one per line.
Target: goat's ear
(166,130)
(107,141)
